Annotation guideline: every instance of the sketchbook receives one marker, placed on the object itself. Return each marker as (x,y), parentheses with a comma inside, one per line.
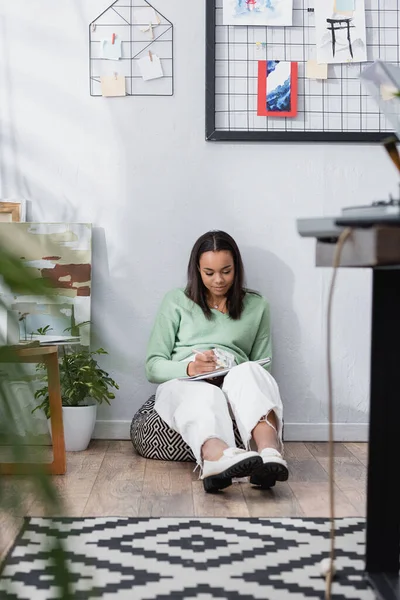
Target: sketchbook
(222,372)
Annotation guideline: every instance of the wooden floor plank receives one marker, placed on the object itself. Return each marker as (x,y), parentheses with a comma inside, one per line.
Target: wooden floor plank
(226,503)
(95,447)
(346,469)
(356,493)
(118,486)
(321,449)
(74,488)
(278,501)
(296,450)
(17,494)
(166,477)
(167,490)
(306,469)
(359,450)
(313,498)
(121,447)
(9,528)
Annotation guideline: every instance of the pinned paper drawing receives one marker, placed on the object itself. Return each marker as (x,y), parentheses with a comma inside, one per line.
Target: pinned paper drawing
(277,88)
(257,12)
(340,31)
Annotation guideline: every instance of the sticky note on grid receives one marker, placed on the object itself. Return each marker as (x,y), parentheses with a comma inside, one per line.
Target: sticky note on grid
(316,71)
(113,86)
(111,51)
(150,67)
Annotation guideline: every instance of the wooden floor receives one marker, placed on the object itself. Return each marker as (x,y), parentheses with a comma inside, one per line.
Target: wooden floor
(109,479)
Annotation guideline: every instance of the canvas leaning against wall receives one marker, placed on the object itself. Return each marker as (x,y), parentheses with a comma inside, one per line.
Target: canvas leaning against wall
(61,253)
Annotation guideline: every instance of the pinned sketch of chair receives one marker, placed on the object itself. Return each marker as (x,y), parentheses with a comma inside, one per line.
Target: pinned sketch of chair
(143,31)
(337,23)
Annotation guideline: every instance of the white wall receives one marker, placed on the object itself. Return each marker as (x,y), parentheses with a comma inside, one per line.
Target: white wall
(141,171)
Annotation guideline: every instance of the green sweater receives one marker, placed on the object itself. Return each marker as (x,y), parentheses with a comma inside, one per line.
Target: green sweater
(182,327)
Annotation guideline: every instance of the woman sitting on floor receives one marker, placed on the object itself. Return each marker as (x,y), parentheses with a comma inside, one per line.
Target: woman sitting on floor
(217,316)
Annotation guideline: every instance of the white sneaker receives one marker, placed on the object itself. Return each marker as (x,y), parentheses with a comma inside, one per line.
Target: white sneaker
(217,474)
(273,469)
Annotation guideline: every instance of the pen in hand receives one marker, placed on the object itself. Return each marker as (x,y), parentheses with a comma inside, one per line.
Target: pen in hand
(208,357)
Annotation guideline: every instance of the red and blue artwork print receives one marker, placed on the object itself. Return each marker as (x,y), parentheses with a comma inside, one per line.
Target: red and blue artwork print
(277,88)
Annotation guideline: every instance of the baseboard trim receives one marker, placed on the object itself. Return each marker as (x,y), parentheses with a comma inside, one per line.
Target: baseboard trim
(112,430)
(294,432)
(318,432)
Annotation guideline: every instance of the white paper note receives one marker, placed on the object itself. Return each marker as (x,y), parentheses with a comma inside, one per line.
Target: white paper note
(316,71)
(145,15)
(111,51)
(113,85)
(150,68)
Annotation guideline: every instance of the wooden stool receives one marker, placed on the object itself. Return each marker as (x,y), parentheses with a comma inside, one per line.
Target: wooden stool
(49,356)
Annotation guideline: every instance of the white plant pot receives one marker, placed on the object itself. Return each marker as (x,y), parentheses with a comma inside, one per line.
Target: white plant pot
(79,422)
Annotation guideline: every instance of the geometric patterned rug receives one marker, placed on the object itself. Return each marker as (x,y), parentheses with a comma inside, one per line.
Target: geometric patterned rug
(177,558)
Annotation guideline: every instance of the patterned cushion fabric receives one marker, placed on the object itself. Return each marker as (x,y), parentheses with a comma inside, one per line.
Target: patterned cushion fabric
(152,437)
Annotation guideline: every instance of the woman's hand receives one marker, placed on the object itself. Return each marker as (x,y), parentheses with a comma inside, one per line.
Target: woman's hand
(204,362)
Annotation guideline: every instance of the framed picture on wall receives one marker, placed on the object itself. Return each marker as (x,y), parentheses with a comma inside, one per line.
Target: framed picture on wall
(12,212)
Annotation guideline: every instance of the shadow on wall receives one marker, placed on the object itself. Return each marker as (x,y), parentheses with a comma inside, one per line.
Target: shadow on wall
(8,146)
(118,327)
(269,275)
(109,300)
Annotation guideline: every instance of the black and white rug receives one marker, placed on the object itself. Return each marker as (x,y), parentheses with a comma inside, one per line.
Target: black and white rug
(177,558)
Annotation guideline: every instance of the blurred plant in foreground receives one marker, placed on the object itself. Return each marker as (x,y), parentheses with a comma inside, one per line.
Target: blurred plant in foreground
(17,428)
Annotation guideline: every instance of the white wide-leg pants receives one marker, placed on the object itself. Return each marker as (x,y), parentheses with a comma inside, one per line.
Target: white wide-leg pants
(199,410)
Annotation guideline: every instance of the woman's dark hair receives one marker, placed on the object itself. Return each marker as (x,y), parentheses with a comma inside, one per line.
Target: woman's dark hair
(215,241)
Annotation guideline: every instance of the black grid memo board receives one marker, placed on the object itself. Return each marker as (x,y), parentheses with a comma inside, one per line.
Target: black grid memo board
(334,110)
(127,19)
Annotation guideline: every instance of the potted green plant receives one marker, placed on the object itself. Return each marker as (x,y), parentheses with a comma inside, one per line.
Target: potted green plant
(84,385)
